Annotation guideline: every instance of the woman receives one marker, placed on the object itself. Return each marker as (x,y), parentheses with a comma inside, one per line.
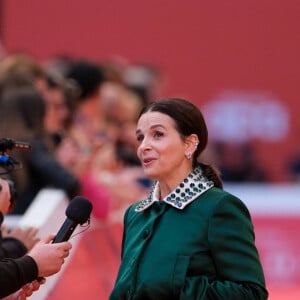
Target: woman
(189,239)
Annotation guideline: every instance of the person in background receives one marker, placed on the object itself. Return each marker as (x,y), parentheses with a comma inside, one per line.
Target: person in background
(20,275)
(88,127)
(22,119)
(89,132)
(189,239)
(121,107)
(21,70)
(237,162)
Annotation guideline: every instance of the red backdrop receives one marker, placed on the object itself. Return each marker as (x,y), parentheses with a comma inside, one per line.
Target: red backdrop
(203,47)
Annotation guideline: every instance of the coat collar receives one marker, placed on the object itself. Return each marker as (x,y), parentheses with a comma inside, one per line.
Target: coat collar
(186,192)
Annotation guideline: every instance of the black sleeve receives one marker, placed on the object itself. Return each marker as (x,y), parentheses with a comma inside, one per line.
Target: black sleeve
(14,273)
(12,248)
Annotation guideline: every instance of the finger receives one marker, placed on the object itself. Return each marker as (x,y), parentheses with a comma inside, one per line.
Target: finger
(33,230)
(15,231)
(35,285)
(4,230)
(68,246)
(64,246)
(65,254)
(21,295)
(24,292)
(42,280)
(48,238)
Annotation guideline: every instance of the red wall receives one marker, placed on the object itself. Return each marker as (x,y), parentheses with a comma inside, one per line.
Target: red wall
(202,47)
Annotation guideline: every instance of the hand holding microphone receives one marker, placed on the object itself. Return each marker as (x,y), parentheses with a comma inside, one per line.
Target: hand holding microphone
(50,257)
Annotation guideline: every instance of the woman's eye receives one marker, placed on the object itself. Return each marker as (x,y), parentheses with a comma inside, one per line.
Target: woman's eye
(158,134)
(139,138)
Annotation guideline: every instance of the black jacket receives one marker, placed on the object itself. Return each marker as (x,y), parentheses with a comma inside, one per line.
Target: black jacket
(14,273)
(11,247)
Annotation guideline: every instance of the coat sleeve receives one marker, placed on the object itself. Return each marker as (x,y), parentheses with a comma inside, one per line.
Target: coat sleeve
(12,248)
(239,273)
(14,273)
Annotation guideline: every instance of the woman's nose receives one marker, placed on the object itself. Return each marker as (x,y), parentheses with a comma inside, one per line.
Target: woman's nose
(145,145)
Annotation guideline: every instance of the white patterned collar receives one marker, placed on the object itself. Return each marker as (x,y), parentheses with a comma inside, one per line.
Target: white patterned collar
(187,191)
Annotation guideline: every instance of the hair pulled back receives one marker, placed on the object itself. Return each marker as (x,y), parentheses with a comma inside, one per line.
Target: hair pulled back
(188,120)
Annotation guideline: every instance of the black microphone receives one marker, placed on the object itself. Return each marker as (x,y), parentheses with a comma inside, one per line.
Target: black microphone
(77,212)
(8,144)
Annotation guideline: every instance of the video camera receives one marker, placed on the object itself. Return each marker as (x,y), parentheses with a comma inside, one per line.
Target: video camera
(9,164)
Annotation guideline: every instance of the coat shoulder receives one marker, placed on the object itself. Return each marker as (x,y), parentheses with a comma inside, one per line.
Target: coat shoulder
(215,197)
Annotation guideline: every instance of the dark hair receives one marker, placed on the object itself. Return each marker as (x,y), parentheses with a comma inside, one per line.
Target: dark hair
(22,110)
(19,70)
(22,118)
(189,120)
(88,76)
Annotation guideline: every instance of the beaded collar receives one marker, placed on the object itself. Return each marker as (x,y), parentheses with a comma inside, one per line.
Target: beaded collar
(187,191)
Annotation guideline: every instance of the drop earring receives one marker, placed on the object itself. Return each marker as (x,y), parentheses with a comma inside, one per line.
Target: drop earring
(189,155)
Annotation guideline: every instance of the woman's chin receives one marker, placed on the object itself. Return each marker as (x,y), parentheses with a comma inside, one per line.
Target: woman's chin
(151,175)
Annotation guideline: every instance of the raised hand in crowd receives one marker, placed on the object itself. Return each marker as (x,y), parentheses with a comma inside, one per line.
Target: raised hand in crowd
(28,236)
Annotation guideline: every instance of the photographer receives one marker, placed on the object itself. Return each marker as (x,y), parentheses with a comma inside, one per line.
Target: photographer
(43,260)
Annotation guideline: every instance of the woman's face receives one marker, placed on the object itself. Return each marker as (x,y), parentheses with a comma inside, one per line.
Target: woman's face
(56,110)
(161,149)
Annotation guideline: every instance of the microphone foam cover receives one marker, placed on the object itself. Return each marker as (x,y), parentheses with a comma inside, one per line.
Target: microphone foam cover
(79,210)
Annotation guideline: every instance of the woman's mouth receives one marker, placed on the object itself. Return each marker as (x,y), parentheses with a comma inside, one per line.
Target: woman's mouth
(147,161)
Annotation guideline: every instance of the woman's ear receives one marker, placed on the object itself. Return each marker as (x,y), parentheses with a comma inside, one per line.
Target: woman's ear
(192,143)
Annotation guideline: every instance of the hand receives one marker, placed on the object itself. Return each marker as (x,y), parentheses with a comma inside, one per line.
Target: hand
(4,196)
(27,236)
(26,291)
(49,257)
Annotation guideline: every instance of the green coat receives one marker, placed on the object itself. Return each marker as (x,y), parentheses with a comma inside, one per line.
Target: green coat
(205,251)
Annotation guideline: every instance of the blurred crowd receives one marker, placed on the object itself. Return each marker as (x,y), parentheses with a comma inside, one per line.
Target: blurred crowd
(79,116)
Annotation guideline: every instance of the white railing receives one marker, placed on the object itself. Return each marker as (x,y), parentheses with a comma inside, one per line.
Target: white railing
(268,199)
